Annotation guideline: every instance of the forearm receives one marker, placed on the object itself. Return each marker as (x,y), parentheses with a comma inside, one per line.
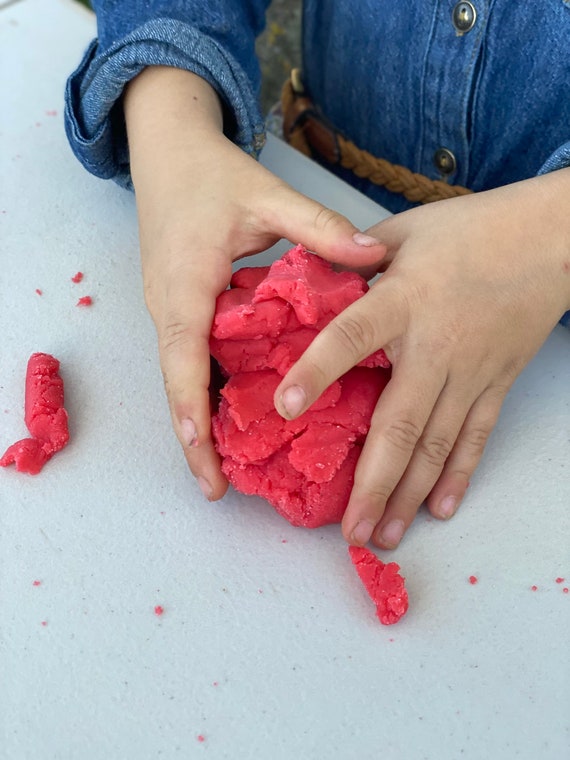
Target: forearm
(168,111)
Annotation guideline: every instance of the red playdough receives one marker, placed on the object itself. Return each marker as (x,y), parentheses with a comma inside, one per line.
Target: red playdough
(383,583)
(45,417)
(303,467)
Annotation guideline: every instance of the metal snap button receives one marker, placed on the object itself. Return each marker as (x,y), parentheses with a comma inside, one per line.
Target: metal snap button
(464,16)
(444,160)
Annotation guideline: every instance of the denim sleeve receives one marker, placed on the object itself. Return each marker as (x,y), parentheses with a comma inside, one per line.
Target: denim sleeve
(214,40)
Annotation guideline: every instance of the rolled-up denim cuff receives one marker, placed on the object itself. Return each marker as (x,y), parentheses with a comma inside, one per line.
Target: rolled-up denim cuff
(94,120)
(560,159)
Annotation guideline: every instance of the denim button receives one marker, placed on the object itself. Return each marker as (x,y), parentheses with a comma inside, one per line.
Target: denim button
(444,160)
(464,16)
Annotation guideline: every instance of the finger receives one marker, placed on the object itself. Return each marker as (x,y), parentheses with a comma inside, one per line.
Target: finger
(426,464)
(320,229)
(398,422)
(450,488)
(183,334)
(367,324)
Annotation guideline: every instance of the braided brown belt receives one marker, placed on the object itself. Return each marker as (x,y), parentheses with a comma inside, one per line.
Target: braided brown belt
(307,130)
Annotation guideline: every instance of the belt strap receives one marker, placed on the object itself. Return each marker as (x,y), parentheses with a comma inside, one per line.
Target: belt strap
(307,130)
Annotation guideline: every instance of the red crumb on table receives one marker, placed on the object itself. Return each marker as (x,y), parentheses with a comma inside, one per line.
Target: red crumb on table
(473,579)
(534,588)
(45,417)
(384,584)
(39,292)
(158,610)
(201,738)
(44,623)
(85,301)
(52,112)
(77,277)
(565,590)
(560,580)
(215,683)
(37,583)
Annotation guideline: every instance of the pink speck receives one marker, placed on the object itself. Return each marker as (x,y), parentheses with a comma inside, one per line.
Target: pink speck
(201,738)
(560,580)
(215,683)
(77,277)
(534,588)
(37,583)
(283,540)
(44,623)
(565,590)
(391,639)
(260,591)
(85,301)
(473,579)
(39,292)
(158,610)
(53,112)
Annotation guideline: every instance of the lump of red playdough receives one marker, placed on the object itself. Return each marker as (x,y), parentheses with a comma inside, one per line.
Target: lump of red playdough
(303,467)
(383,582)
(45,417)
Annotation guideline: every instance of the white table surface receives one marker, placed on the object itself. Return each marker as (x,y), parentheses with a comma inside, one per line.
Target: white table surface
(268,646)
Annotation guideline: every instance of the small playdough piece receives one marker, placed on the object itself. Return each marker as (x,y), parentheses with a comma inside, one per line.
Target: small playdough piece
(85,301)
(45,417)
(262,325)
(383,582)
(77,277)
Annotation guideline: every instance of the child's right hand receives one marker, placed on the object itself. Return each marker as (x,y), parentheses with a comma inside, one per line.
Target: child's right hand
(204,203)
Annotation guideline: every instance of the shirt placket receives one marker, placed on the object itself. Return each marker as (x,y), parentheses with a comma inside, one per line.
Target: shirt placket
(449,81)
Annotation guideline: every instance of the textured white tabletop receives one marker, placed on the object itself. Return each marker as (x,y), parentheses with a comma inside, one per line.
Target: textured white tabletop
(268,646)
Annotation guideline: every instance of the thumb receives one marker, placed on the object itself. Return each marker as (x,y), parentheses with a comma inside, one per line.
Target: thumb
(320,229)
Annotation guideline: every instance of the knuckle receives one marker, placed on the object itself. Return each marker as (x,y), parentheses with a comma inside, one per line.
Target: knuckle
(403,434)
(354,335)
(476,437)
(435,449)
(174,334)
(326,218)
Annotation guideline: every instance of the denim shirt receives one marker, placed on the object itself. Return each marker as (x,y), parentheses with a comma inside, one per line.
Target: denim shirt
(397,78)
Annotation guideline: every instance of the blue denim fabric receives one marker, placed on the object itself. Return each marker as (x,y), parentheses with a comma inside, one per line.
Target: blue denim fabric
(394,77)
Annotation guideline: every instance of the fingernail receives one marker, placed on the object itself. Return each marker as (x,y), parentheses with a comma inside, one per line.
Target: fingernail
(366,240)
(189,432)
(293,400)
(447,507)
(392,533)
(362,532)
(205,487)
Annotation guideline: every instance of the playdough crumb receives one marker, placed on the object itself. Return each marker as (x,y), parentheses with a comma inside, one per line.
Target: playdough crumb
(85,301)
(383,582)
(565,590)
(44,623)
(560,580)
(37,583)
(201,738)
(158,610)
(39,292)
(77,277)
(534,588)
(473,579)
(45,417)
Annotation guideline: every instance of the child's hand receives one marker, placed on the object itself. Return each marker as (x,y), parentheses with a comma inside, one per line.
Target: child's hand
(202,204)
(472,290)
